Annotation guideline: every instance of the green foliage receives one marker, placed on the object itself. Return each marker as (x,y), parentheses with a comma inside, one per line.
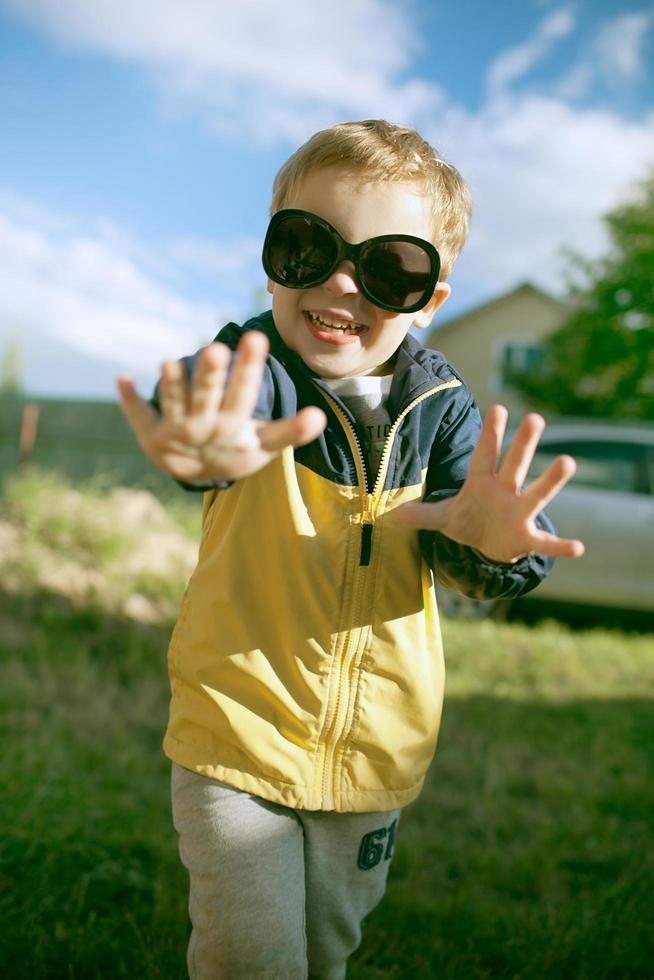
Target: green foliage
(601,360)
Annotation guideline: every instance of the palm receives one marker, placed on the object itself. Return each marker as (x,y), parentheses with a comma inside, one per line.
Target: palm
(205,431)
(491,512)
(200,447)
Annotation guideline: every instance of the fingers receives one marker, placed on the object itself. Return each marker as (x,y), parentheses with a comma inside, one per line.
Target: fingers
(487,452)
(210,390)
(209,377)
(126,390)
(140,415)
(244,383)
(172,392)
(545,487)
(538,495)
(514,468)
(298,430)
(548,544)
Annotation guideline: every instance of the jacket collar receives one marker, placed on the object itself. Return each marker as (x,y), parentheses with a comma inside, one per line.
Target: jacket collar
(417,369)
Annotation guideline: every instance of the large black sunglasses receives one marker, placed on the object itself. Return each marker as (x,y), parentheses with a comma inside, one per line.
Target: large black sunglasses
(395,272)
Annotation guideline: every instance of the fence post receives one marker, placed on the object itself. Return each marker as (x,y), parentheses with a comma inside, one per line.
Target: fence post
(29,425)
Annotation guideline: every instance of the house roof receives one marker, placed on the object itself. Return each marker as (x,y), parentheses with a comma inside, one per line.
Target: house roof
(521,290)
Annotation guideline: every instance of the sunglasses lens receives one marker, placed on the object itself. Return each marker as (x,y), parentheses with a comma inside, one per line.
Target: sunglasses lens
(300,251)
(396,274)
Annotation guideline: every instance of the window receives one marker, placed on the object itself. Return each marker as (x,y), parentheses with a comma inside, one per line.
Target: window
(516,355)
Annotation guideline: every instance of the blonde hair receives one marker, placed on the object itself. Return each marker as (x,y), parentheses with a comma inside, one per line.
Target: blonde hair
(377,150)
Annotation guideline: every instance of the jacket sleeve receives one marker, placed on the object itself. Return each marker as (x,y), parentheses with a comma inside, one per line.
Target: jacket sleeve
(457,566)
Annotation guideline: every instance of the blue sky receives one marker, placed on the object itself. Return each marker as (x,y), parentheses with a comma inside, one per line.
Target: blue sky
(141,137)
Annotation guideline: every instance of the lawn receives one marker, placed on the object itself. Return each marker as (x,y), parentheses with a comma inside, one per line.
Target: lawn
(530,853)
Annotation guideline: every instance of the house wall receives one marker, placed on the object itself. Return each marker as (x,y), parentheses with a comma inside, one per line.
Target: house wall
(474,342)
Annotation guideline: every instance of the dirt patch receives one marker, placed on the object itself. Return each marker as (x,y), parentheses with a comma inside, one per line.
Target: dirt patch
(120,552)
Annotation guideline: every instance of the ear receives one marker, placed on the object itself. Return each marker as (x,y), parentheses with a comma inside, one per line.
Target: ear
(424,316)
(270,286)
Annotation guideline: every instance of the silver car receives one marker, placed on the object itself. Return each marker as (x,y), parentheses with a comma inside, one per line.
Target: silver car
(609,505)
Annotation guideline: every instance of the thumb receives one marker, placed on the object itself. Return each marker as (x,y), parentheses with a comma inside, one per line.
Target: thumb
(430,517)
(296,430)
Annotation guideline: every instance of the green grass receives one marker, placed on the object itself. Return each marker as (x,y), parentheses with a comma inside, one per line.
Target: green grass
(530,853)
(90,883)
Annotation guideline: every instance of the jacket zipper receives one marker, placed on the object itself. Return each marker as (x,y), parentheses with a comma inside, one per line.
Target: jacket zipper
(331,735)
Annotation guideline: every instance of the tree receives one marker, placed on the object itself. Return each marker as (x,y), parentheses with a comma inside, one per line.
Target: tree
(600,362)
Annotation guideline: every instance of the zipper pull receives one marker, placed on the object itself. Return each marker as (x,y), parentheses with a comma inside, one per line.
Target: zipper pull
(366,532)
(366,543)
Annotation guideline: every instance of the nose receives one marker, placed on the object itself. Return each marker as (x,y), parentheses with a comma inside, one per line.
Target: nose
(343,279)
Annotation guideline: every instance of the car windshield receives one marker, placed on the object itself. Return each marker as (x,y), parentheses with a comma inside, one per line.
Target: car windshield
(601,465)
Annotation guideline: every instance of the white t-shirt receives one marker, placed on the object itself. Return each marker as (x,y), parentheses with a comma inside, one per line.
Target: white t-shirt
(366,398)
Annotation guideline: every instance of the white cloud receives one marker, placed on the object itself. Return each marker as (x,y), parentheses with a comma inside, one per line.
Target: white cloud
(612,58)
(542,173)
(618,46)
(543,168)
(516,62)
(241,61)
(216,258)
(577,83)
(82,292)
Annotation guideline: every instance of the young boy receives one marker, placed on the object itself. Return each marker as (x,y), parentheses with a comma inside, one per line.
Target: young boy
(306,665)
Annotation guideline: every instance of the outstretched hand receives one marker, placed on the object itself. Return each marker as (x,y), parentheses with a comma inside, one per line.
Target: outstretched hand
(491,512)
(205,431)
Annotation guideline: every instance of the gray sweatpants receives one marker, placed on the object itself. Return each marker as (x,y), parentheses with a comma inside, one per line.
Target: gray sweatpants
(275,893)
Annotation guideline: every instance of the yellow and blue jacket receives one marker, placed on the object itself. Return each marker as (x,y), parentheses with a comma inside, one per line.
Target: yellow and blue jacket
(306,664)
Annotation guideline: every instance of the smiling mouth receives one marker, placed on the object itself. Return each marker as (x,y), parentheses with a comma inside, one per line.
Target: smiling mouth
(334,325)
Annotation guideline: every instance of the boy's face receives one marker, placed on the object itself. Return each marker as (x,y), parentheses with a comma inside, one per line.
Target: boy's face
(358,210)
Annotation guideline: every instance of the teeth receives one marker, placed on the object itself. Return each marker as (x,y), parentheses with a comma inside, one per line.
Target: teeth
(342,325)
